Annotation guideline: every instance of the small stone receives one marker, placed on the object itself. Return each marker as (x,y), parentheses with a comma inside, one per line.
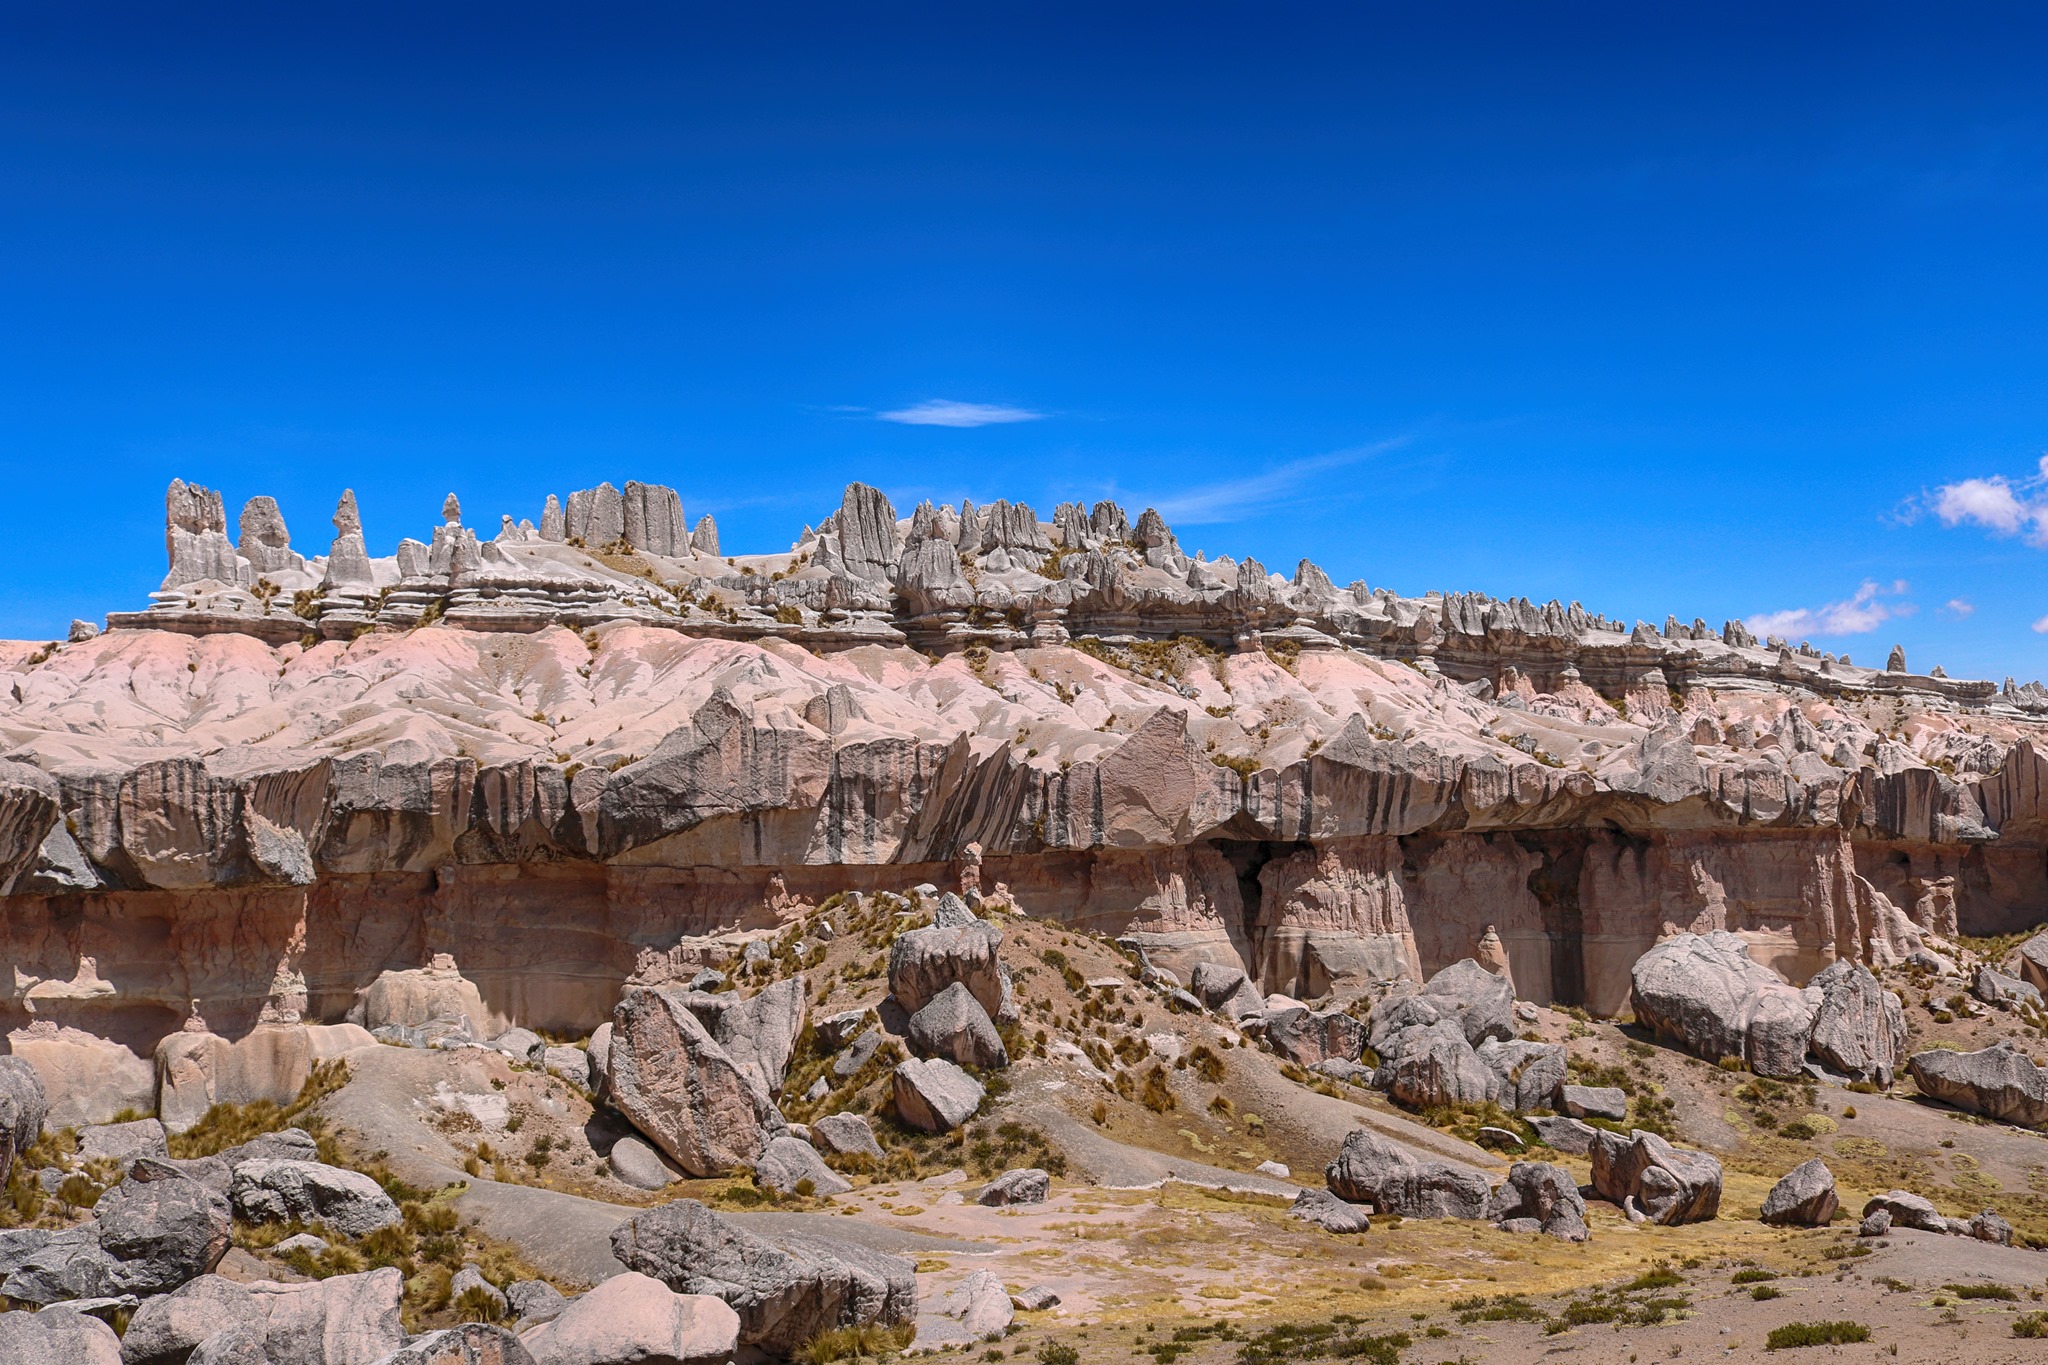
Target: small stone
(1029,1186)
(1273,1168)
(636,1163)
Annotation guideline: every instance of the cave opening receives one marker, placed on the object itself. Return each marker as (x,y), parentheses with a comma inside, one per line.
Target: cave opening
(1247,858)
(1555,885)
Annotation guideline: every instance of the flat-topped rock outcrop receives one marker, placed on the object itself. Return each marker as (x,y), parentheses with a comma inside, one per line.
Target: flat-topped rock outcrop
(561,750)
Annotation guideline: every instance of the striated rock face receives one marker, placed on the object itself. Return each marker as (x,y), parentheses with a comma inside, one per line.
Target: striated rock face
(589,736)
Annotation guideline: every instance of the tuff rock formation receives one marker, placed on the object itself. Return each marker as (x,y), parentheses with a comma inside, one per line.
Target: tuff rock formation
(549,751)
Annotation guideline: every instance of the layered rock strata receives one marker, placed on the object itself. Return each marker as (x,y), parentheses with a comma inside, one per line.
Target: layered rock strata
(567,751)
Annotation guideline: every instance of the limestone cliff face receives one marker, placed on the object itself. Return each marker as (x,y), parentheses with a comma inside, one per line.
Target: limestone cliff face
(548,758)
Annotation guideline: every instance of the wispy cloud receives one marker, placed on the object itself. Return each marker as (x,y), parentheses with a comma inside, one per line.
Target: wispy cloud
(2041,626)
(1235,498)
(944,412)
(1858,615)
(1959,608)
(2001,505)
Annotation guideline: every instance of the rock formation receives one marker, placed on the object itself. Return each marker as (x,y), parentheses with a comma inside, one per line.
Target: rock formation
(591,737)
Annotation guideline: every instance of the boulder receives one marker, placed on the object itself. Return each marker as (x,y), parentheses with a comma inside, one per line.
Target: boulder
(1594,1102)
(953,1024)
(161,1232)
(1028,1186)
(196,1070)
(846,1135)
(2033,962)
(1999,1082)
(856,1055)
(924,962)
(342,1320)
(473,1343)
(1305,1037)
(271,1191)
(1804,1198)
(1214,983)
(835,1031)
(635,1319)
(86,1078)
(1705,993)
(787,1162)
(572,1064)
(286,1144)
(1374,1170)
(49,1267)
(520,1044)
(935,1095)
(1904,1209)
(1670,1185)
(1432,1065)
(598,1053)
(534,1301)
(785,1294)
(57,1336)
(1530,1074)
(678,1086)
(1563,1134)
(1995,988)
(470,1282)
(231,1346)
(758,1032)
(1482,1002)
(1860,1029)
(1330,1213)
(975,1310)
(22,1108)
(167,1328)
(123,1141)
(639,1165)
(1875,1224)
(1989,1227)
(1544,1195)
(1036,1299)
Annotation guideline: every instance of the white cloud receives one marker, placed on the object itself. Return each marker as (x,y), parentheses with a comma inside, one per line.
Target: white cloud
(1235,498)
(944,412)
(2041,626)
(1959,608)
(2000,505)
(1858,615)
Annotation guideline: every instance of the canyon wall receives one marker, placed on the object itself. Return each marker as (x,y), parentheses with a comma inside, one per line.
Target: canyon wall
(557,752)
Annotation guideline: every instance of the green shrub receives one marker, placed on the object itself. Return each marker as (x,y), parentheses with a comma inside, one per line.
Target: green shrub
(1752,1276)
(1983,1291)
(1057,1353)
(2033,1326)
(1840,1333)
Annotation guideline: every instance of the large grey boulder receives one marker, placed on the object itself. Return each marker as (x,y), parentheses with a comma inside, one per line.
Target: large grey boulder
(846,1135)
(1305,1036)
(534,1302)
(934,1094)
(677,1085)
(1027,1186)
(1668,1184)
(1860,1029)
(1330,1213)
(167,1328)
(23,1107)
(856,1055)
(635,1319)
(266,1191)
(639,1165)
(788,1162)
(1432,1065)
(231,1346)
(924,962)
(1705,993)
(1530,1074)
(1995,988)
(977,1309)
(785,1294)
(572,1064)
(835,1031)
(473,1343)
(1483,1003)
(1905,1209)
(161,1232)
(953,1024)
(123,1141)
(1999,1082)
(1804,1198)
(343,1320)
(759,1032)
(57,1337)
(2033,962)
(1374,1170)
(1545,1196)
(1594,1102)
(1564,1134)
(1224,988)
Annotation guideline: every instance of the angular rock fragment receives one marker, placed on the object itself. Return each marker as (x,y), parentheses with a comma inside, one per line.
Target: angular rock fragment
(1670,1185)
(1999,1082)
(673,1081)
(1330,1213)
(1374,1170)
(953,1024)
(786,1164)
(1595,1102)
(1305,1037)
(267,1191)
(1027,1186)
(935,1095)
(846,1135)
(1804,1198)
(1860,1028)
(1542,1194)
(1706,994)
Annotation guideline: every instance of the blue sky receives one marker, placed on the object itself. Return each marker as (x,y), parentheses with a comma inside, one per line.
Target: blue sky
(1724,311)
